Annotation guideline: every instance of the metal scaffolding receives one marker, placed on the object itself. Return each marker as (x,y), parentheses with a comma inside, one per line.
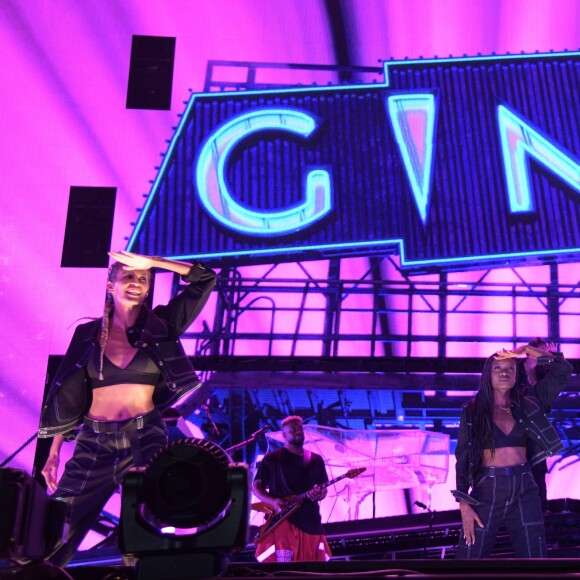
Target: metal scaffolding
(281,345)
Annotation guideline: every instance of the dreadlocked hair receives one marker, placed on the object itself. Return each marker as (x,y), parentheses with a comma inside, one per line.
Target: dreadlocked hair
(107,315)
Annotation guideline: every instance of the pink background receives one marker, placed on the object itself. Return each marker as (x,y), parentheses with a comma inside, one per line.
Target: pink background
(63,123)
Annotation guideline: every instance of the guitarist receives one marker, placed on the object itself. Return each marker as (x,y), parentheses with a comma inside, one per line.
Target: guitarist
(283,475)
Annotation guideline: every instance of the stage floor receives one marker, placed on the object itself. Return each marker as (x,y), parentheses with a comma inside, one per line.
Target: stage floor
(410,546)
(183,568)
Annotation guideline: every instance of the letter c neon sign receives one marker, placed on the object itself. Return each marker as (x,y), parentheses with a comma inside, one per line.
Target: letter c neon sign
(220,203)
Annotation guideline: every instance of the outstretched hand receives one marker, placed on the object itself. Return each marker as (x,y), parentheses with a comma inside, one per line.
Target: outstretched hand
(514,353)
(527,349)
(133,261)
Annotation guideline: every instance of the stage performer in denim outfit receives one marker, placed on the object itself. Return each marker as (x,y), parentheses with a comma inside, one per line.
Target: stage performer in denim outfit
(283,475)
(495,483)
(118,373)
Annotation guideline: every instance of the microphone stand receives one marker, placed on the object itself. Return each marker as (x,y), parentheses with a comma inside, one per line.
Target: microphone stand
(249,440)
(214,428)
(430,529)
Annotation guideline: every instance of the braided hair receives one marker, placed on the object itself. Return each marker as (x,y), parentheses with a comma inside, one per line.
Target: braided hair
(107,315)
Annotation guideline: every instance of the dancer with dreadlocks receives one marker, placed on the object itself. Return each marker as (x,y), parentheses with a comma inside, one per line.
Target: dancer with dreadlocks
(495,484)
(118,373)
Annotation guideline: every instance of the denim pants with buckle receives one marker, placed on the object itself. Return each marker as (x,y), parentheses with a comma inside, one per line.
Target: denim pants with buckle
(104,453)
(507,495)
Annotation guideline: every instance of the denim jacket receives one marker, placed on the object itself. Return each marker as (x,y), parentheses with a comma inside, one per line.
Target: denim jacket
(156,332)
(531,412)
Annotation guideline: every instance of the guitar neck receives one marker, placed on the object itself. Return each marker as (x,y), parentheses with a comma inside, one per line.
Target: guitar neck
(321,486)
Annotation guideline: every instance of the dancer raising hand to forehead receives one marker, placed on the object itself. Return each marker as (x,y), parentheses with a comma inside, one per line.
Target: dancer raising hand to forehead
(118,373)
(495,484)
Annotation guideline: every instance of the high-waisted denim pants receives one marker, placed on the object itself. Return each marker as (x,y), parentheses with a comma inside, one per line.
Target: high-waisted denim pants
(100,461)
(507,495)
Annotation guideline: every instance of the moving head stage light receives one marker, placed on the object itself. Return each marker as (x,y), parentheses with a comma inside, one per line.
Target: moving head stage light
(31,523)
(192,485)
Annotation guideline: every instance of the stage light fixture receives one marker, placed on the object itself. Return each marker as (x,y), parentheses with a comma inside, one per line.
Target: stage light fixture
(31,523)
(191,485)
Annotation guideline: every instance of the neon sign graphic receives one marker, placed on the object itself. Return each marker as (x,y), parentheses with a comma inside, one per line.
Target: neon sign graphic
(447,168)
(413,120)
(519,142)
(216,196)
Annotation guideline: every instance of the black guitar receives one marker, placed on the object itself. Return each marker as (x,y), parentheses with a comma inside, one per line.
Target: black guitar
(273,520)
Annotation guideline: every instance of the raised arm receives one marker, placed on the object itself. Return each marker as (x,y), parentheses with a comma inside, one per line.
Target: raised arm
(557,369)
(527,349)
(184,308)
(140,262)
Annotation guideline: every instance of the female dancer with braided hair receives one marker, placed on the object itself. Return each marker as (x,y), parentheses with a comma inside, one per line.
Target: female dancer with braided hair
(495,483)
(118,373)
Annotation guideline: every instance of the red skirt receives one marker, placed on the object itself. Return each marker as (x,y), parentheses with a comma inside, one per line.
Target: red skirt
(289,544)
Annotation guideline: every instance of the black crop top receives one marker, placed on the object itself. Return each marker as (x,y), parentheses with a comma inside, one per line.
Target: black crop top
(517,437)
(141,370)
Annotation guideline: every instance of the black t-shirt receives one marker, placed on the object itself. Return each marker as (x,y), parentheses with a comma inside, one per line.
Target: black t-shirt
(283,473)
